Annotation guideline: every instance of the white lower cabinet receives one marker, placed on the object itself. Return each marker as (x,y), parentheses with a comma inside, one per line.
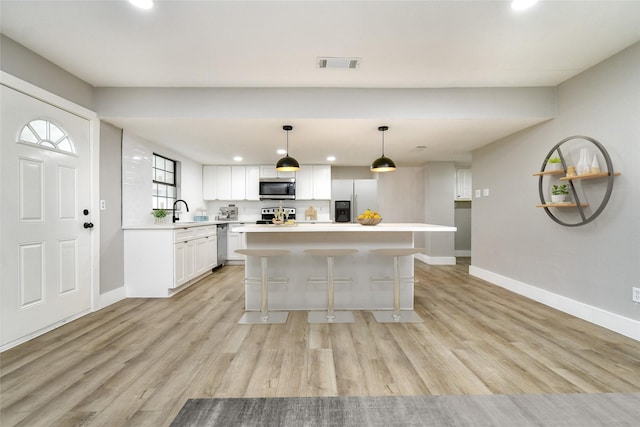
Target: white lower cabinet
(205,249)
(205,254)
(211,257)
(183,263)
(158,261)
(235,241)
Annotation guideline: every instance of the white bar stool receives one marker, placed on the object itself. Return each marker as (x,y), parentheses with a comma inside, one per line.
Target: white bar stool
(330,316)
(264,316)
(396,316)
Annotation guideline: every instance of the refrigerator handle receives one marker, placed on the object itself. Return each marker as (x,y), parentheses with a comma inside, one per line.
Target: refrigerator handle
(354,207)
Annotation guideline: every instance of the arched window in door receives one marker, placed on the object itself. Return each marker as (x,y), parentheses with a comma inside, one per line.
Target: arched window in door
(48,135)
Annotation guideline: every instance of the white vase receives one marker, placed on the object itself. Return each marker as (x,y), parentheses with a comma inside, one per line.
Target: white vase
(584,165)
(595,166)
(558,198)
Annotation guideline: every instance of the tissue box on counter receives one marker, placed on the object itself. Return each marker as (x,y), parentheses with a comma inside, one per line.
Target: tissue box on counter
(200,218)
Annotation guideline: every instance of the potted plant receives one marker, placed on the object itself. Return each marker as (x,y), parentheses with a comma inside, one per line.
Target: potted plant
(554,163)
(559,193)
(159,215)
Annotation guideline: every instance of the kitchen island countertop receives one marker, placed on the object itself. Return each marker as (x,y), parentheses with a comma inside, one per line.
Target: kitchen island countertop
(360,293)
(341,227)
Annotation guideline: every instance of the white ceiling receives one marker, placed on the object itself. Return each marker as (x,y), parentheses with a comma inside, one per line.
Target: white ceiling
(402,44)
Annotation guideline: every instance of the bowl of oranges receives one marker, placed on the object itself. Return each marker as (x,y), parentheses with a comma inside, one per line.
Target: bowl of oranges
(369,217)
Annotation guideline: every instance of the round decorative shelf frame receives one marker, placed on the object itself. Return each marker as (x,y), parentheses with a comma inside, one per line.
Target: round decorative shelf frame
(584,218)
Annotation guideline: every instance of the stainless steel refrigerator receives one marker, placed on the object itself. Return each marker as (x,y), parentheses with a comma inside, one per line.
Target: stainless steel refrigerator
(362,193)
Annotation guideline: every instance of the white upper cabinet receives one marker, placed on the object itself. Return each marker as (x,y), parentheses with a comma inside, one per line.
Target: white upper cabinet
(269,171)
(245,182)
(223,179)
(238,183)
(463,184)
(209,188)
(313,182)
(230,182)
(304,183)
(322,182)
(216,182)
(252,181)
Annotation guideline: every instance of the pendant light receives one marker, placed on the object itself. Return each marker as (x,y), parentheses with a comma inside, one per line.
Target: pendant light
(383,163)
(287,164)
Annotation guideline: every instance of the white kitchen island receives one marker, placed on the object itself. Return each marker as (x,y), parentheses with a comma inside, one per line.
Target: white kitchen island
(361,293)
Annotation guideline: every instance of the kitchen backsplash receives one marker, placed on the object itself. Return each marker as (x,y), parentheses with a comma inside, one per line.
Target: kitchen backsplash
(137,180)
(249,211)
(137,183)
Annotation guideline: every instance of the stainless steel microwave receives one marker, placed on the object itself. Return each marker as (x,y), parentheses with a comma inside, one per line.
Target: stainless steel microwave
(277,188)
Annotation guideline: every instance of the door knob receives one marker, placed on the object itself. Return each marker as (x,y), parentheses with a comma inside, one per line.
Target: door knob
(88,225)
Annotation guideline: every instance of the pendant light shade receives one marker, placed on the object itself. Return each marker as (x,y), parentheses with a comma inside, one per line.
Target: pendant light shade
(383,163)
(287,163)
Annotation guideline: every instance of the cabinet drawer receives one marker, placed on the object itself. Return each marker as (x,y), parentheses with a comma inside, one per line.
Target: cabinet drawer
(183,234)
(204,231)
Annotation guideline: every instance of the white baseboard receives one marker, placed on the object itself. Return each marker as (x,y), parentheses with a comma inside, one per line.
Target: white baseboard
(437,260)
(112,297)
(615,322)
(42,331)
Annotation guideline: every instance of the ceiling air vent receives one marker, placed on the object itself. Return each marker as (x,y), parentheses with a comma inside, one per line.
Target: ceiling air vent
(344,63)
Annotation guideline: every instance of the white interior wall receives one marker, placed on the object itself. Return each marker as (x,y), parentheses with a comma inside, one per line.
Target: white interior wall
(587,270)
(439,209)
(137,180)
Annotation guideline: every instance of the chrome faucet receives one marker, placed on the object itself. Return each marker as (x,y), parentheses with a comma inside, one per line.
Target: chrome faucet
(175,218)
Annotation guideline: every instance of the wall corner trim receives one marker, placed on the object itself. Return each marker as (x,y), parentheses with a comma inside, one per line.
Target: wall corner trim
(112,297)
(436,260)
(614,322)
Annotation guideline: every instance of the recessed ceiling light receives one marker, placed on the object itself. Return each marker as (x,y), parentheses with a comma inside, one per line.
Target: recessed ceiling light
(237,158)
(281,151)
(142,4)
(522,4)
(331,158)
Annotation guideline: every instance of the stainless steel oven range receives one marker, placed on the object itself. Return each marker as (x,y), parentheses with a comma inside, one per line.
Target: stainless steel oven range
(269,213)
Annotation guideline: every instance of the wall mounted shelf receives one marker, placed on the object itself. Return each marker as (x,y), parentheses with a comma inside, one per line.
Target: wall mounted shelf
(552,172)
(585,216)
(590,176)
(562,205)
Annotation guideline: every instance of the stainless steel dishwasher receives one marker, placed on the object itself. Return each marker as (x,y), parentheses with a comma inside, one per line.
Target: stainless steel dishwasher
(222,244)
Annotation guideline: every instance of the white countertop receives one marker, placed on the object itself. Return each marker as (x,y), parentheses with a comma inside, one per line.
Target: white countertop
(172,226)
(187,224)
(341,227)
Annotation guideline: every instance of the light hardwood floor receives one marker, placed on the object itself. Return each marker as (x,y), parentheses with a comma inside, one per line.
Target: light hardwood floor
(138,361)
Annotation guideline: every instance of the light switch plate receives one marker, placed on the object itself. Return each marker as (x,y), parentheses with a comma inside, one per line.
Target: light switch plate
(485,192)
(478,194)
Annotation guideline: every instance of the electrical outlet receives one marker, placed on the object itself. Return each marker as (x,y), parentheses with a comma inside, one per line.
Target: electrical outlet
(485,192)
(636,294)
(478,193)
(103,205)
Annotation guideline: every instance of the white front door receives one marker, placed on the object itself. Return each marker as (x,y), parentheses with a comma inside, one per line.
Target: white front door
(45,272)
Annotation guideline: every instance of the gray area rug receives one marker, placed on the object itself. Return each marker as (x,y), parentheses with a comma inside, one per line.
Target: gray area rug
(579,410)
